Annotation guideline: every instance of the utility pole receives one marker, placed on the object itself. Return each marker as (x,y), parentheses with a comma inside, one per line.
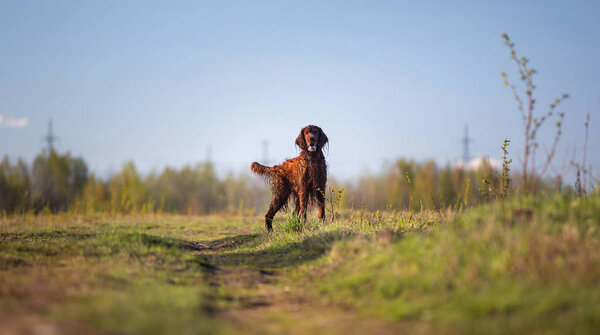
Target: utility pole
(265,153)
(208,154)
(50,138)
(466,141)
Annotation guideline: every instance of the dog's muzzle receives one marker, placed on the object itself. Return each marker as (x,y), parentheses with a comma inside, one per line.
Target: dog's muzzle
(312,147)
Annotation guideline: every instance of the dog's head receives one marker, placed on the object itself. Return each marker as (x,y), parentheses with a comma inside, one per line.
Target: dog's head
(311,138)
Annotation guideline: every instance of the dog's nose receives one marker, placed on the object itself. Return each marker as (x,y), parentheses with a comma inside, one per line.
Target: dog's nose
(312,138)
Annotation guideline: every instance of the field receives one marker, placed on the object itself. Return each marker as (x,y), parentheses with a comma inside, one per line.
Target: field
(527,265)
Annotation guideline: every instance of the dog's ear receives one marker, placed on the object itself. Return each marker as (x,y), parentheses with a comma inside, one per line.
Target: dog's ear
(301,141)
(322,139)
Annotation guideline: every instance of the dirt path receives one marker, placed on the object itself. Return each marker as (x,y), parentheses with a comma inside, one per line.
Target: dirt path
(257,301)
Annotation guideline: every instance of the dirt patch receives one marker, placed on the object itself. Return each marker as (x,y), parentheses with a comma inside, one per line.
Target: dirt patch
(196,246)
(227,242)
(32,325)
(254,301)
(272,309)
(8,262)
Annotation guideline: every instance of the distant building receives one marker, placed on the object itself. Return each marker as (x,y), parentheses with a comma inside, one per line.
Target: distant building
(477,162)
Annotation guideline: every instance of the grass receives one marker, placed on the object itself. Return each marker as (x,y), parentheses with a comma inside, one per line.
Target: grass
(528,265)
(521,267)
(130,275)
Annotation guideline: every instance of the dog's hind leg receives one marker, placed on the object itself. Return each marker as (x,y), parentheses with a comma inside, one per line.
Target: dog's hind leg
(303,196)
(296,204)
(321,203)
(281,192)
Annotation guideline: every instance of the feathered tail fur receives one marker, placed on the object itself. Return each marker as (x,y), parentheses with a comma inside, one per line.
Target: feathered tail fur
(260,169)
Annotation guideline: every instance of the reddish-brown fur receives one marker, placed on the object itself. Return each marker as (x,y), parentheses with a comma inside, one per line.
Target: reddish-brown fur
(303,177)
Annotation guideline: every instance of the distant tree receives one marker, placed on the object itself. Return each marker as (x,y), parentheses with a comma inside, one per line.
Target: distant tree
(208,195)
(193,189)
(431,187)
(243,194)
(127,191)
(57,180)
(14,186)
(426,182)
(446,191)
(94,197)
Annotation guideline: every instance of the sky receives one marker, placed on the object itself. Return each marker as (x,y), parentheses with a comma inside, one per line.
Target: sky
(176,82)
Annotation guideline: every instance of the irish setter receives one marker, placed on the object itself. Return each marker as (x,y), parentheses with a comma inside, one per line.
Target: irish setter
(303,177)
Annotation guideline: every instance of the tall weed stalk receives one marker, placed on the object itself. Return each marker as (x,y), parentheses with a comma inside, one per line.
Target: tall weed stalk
(531,122)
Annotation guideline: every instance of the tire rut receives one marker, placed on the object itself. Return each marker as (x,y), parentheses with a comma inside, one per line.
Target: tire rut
(255,301)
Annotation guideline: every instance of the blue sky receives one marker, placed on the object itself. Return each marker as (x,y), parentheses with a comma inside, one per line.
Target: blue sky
(160,82)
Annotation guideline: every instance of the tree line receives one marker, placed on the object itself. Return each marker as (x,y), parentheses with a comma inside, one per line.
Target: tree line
(60,182)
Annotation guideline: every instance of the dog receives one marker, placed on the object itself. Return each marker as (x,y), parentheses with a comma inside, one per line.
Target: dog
(303,177)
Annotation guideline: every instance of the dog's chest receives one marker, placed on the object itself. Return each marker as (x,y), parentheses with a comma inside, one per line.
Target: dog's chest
(313,171)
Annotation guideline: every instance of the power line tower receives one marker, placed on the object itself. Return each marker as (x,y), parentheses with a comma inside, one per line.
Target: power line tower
(50,138)
(265,152)
(466,141)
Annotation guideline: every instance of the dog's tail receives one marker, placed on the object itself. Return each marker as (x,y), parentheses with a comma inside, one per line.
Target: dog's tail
(262,170)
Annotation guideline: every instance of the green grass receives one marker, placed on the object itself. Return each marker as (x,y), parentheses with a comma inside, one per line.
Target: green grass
(530,265)
(521,267)
(126,275)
